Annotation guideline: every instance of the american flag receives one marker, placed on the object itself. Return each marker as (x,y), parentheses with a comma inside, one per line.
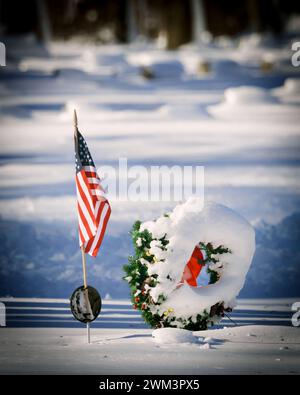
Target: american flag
(92,206)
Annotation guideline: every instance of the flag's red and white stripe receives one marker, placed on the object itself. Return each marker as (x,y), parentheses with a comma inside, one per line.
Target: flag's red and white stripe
(93,209)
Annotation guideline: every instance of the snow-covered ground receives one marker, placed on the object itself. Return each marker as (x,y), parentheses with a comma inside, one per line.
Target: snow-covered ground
(216,106)
(43,338)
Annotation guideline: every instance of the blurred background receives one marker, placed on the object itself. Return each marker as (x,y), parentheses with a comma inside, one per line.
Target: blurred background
(181,82)
(173,22)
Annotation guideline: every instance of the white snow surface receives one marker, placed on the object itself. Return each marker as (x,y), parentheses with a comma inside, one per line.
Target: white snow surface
(270,350)
(189,224)
(120,345)
(173,336)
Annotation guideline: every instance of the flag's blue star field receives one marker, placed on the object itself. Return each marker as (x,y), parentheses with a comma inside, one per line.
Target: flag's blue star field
(82,154)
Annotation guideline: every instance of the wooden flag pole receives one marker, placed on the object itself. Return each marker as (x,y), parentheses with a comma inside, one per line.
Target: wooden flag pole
(86,292)
(75,122)
(82,247)
(84,267)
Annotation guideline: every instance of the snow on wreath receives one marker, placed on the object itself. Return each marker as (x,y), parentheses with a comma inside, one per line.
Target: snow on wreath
(170,254)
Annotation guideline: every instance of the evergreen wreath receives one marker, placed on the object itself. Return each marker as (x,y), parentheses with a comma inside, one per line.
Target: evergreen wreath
(140,282)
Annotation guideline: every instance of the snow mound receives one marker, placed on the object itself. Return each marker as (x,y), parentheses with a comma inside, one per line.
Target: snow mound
(247,102)
(290,91)
(173,336)
(160,66)
(246,95)
(185,227)
(292,85)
